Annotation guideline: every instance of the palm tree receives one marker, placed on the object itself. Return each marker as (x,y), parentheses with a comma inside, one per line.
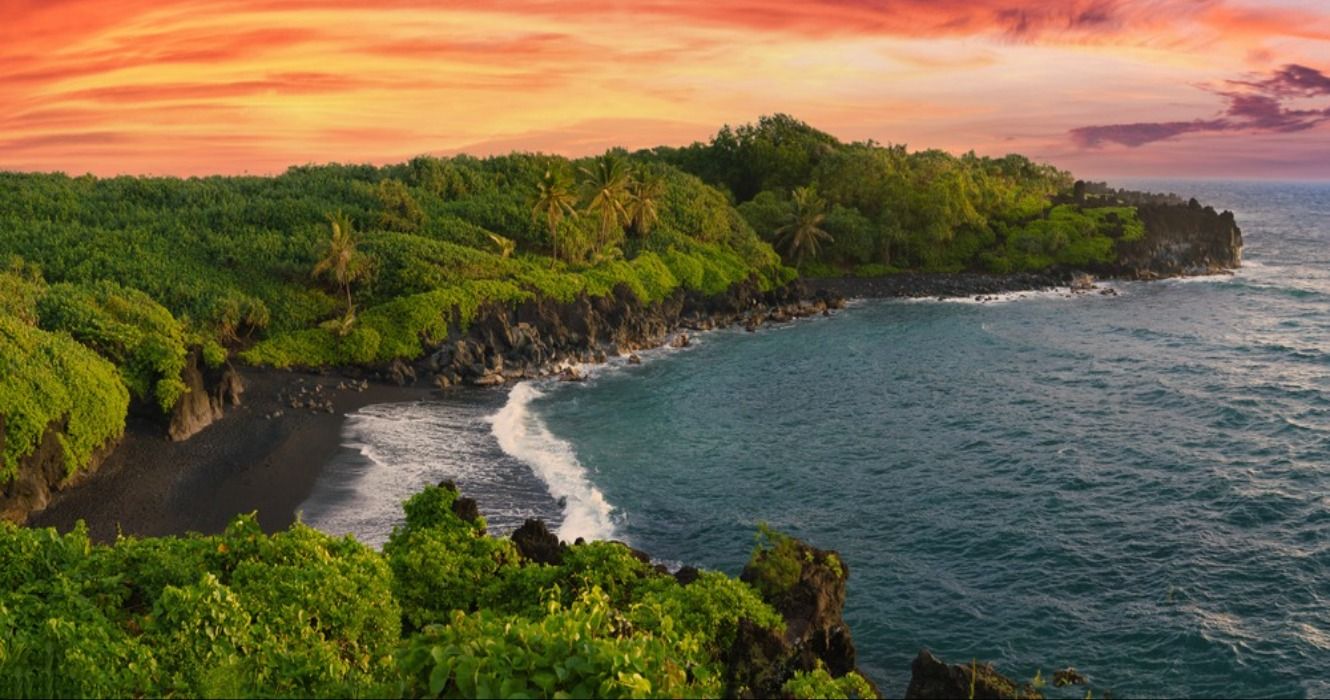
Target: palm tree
(555,200)
(605,192)
(802,235)
(505,246)
(644,194)
(341,262)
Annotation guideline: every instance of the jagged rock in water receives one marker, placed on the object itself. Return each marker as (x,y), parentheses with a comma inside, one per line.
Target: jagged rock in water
(1183,240)
(932,679)
(537,544)
(1068,676)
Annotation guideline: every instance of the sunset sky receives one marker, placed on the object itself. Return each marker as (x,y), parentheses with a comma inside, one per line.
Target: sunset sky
(1216,88)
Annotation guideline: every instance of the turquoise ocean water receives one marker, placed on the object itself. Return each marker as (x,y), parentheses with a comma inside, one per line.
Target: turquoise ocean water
(1137,485)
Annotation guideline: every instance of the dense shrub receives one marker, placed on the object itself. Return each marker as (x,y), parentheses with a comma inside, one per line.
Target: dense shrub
(127,327)
(243,613)
(445,610)
(48,379)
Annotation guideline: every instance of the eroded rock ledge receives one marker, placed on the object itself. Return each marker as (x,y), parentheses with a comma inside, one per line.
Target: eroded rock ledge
(541,337)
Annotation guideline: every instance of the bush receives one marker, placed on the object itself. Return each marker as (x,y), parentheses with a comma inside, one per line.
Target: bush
(49,380)
(126,326)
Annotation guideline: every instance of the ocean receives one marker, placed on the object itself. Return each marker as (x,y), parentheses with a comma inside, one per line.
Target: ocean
(1135,485)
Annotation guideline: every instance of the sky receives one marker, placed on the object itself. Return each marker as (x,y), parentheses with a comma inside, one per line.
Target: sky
(1105,88)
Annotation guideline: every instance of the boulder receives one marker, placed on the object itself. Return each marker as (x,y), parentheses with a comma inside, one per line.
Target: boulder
(537,544)
(1081,282)
(1068,676)
(493,379)
(466,509)
(400,373)
(931,679)
(686,575)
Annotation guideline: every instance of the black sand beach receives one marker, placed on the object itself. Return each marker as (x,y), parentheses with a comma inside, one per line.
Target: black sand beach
(246,461)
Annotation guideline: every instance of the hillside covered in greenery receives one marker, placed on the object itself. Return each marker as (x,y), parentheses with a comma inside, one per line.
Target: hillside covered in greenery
(444,611)
(361,265)
(873,209)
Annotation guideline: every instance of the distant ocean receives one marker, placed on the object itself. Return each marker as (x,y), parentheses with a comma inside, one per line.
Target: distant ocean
(1134,485)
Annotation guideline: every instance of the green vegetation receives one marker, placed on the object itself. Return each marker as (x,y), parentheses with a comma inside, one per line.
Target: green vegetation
(323,266)
(444,611)
(359,265)
(884,206)
(48,379)
(109,286)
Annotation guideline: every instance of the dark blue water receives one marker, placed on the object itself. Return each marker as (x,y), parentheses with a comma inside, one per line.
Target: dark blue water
(1138,486)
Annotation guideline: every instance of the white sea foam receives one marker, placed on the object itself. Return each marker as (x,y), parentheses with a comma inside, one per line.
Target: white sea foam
(521,434)
(1007,297)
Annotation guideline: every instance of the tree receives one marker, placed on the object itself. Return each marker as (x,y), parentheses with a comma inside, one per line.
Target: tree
(554,201)
(803,233)
(341,263)
(605,189)
(645,191)
(400,211)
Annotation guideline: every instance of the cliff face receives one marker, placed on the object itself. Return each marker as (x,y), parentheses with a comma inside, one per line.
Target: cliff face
(210,391)
(42,473)
(812,602)
(539,336)
(1182,239)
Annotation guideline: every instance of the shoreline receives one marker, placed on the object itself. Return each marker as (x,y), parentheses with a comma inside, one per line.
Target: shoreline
(267,453)
(245,461)
(944,285)
(266,456)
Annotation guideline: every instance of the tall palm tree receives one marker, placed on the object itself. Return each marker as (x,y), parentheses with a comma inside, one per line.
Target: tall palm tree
(341,262)
(645,191)
(605,189)
(555,200)
(803,234)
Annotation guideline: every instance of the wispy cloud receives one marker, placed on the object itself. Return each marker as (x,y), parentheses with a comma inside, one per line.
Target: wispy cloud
(193,86)
(1252,106)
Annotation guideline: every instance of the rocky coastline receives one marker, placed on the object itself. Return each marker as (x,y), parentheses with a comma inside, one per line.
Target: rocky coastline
(234,420)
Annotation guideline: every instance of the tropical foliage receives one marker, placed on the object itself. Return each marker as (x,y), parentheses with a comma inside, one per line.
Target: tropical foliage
(444,611)
(356,264)
(885,206)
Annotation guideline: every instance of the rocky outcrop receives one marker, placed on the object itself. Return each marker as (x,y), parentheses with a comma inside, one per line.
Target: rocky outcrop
(1181,239)
(210,391)
(809,593)
(42,473)
(540,337)
(537,544)
(932,679)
